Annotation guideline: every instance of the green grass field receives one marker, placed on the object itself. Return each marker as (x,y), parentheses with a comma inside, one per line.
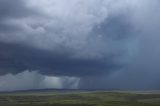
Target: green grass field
(81,99)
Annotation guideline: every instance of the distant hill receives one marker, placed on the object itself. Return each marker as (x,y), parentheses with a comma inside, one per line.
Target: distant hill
(55,90)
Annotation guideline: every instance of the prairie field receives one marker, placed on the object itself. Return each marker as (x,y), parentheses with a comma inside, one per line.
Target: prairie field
(99,98)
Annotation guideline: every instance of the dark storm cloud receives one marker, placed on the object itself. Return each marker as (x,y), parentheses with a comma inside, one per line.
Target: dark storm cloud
(54,47)
(15,58)
(105,43)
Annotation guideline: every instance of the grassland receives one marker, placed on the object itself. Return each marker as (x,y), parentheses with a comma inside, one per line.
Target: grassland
(81,99)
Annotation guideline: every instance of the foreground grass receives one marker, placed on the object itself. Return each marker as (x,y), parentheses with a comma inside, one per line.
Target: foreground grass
(81,99)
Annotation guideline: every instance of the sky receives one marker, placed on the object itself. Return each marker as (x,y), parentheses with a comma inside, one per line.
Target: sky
(79,44)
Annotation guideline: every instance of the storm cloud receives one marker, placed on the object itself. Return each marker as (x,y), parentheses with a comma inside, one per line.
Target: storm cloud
(101,42)
(61,42)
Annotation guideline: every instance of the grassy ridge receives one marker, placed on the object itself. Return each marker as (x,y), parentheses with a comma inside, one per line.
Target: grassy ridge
(81,99)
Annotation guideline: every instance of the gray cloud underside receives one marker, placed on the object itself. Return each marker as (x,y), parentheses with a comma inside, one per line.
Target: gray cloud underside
(15,58)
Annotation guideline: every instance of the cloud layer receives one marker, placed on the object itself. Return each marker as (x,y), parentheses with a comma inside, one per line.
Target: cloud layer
(102,42)
(62,38)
